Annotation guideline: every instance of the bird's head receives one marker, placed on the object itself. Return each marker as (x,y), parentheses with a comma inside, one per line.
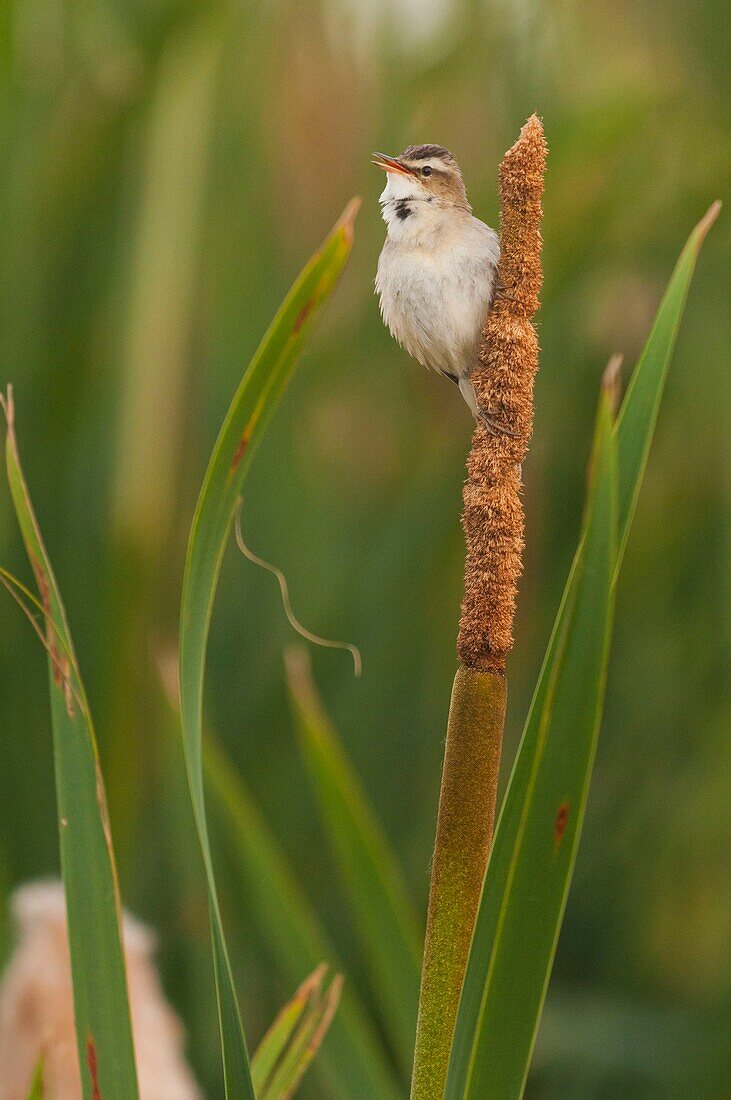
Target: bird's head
(423,172)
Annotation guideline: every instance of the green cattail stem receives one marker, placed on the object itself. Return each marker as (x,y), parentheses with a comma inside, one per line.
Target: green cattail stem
(493,526)
(464,834)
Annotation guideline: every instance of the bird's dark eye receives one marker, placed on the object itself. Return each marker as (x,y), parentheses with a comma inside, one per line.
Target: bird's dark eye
(426,170)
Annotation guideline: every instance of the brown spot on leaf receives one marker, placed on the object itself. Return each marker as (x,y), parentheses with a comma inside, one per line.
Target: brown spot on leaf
(346,222)
(240,451)
(303,315)
(44,589)
(68,690)
(559,825)
(91,1061)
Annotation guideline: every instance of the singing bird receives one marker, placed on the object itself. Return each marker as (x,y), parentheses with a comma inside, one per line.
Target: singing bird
(437,272)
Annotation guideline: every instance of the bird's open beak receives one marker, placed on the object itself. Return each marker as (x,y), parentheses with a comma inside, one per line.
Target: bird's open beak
(391,164)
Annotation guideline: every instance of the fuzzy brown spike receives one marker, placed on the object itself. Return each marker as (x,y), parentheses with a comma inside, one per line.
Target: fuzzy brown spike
(493,512)
(493,524)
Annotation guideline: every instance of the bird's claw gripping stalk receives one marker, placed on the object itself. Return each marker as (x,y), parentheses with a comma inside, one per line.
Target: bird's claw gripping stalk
(495,427)
(501,294)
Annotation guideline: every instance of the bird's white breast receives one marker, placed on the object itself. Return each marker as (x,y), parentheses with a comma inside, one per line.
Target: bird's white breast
(435,282)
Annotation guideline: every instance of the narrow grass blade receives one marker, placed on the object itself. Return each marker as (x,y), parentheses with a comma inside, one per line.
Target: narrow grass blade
(103,1028)
(633,432)
(352,1062)
(254,402)
(532,860)
(304,1041)
(377,896)
(640,408)
(280,1034)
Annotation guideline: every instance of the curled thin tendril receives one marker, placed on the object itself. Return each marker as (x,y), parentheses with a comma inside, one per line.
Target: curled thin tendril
(294,622)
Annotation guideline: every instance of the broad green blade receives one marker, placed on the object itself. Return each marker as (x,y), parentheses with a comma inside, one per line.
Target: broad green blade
(352,1062)
(280,1034)
(103,1028)
(254,402)
(36,1090)
(377,895)
(633,432)
(533,853)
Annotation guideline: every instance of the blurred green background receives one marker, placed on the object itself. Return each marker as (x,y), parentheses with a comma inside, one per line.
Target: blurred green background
(167,167)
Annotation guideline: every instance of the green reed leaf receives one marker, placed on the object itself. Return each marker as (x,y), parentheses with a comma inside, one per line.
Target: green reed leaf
(303,1040)
(103,1027)
(352,1062)
(498,1019)
(253,404)
(535,845)
(641,405)
(280,1034)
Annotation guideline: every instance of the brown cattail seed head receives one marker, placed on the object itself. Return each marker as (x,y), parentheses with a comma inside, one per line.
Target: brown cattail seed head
(493,513)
